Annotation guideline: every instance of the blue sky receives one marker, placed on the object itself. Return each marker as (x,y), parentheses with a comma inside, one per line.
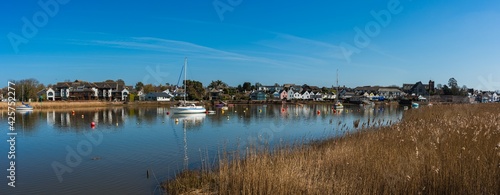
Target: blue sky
(265,41)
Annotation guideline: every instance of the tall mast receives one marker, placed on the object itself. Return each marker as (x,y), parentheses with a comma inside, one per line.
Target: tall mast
(338,83)
(185,77)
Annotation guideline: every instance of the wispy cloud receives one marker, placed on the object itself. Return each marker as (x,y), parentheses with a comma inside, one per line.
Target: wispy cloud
(182,48)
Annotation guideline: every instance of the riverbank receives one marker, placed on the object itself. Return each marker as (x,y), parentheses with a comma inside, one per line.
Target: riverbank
(86,104)
(441,149)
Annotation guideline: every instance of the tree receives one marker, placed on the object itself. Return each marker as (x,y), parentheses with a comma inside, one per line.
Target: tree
(120,81)
(218,84)
(439,86)
(148,88)
(195,90)
(446,90)
(324,90)
(27,89)
(247,86)
(276,84)
(139,85)
(240,88)
(464,90)
(452,83)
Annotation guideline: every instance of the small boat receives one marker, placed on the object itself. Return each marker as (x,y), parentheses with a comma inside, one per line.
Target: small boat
(24,107)
(211,112)
(224,108)
(414,105)
(338,106)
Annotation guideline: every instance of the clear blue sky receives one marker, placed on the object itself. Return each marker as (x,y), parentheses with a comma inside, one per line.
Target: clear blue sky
(257,41)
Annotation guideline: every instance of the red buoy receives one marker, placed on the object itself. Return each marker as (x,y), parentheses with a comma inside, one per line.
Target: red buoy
(92,124)
(318,112)
(168,113)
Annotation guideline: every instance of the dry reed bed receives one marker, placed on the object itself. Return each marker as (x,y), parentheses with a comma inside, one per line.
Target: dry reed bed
(444,149)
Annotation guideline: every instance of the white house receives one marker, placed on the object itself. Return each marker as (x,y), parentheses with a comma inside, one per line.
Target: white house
(306,95)
(51,94)
(318,96)
(290,94)
(125,93)
(158,96)
(495,97)
(297,96)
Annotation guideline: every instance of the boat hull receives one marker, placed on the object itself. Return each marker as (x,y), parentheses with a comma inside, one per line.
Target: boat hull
(24,108)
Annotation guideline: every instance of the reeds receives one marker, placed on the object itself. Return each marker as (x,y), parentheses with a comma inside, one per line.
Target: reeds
(444,149)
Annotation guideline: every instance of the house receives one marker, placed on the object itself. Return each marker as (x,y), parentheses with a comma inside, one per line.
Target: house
(213,94)
(83,90)
(50,94)
(297,96)
(269,88)
(318,96)
(283,94)
(495,97)
(419,88)
(276,95)
(306,95)
(258,95)
(290,94)
(329,96)
(389,92)
(158,96)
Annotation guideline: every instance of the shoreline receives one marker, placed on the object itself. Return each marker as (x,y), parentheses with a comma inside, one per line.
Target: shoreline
(442,149)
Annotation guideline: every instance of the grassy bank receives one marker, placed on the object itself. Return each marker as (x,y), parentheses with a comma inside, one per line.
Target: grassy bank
(84,104)
(443,149)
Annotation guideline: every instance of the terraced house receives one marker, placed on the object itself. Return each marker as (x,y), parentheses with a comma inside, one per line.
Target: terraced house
(82,90)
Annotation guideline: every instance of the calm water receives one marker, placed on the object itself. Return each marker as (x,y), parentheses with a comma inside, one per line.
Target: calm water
(113,157)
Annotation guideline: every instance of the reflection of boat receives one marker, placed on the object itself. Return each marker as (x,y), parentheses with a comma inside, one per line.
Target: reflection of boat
(24,111)
(187,109)
(189,117)
(224,108)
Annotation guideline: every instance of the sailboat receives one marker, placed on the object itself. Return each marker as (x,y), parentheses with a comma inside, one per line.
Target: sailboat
(24,106)
(338,105)
(184,108)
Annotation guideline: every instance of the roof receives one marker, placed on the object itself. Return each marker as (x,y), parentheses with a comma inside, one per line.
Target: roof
(158,94)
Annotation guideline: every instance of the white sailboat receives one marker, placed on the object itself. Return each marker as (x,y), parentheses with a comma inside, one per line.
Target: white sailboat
(184,108)
(338,105)
(24,106)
